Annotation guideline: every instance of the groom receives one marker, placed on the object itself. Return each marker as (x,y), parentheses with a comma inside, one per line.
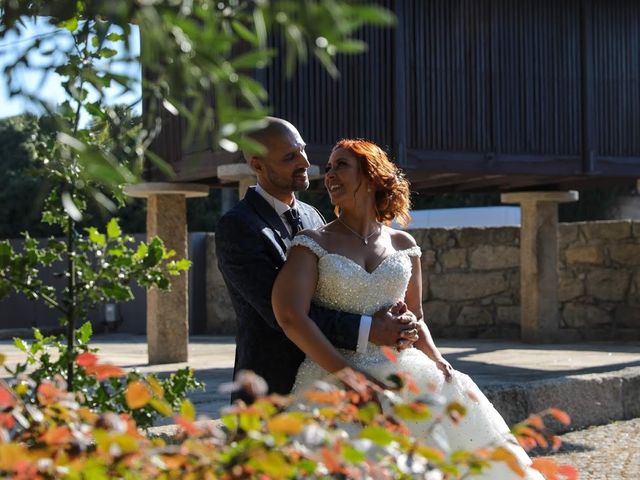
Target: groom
(251,245)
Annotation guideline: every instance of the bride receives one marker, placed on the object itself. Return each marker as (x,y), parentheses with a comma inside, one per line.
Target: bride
(357,263)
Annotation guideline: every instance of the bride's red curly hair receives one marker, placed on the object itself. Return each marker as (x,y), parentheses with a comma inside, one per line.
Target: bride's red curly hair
(391,187)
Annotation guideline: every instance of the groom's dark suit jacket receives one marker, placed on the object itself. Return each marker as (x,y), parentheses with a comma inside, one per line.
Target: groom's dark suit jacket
(251,250)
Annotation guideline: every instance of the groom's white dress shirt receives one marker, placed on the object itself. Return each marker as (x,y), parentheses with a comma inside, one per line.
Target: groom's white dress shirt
(280,208)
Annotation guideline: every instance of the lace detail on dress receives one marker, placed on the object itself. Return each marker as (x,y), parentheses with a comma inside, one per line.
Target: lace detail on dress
(310,243)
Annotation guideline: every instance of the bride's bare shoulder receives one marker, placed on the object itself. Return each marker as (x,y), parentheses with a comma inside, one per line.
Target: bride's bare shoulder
(400,239)
(322,235)
(318,235)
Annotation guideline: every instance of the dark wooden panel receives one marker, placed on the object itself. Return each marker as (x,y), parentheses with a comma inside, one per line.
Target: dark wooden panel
(499,94)
(495,76)
(360,104)
(616,39)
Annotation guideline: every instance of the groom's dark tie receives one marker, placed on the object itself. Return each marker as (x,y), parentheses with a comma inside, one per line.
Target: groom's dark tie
(293,219)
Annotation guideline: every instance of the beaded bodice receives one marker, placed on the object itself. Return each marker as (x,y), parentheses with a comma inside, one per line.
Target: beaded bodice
(345,286)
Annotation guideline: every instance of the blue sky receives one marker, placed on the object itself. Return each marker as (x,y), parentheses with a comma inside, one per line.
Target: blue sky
(49,88)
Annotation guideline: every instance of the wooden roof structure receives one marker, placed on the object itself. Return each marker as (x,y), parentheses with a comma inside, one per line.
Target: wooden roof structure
(471,95)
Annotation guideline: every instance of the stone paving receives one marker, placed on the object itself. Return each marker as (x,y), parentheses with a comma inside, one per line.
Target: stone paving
(607,452)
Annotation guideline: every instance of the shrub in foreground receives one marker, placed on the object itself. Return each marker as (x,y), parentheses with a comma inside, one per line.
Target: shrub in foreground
(51,435)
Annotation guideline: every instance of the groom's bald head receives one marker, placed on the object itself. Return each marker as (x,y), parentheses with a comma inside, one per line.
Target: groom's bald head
(282,168)
(275,129)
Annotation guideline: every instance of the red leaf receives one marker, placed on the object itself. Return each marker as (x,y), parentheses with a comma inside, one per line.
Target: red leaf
(86,359)
(330,460)
(137,395)
(559,415)
(6,397)
(536,421)
(56,435)
(48,394)
(568,471)
(7,421)
(332,398)
(187,425)
(390,354)
(104,371)
(547,467)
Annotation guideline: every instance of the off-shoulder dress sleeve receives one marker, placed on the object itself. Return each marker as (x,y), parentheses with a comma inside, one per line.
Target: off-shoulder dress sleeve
(413,251)
(310,243)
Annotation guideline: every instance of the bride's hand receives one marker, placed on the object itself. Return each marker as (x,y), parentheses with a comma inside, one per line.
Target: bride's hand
(445,367)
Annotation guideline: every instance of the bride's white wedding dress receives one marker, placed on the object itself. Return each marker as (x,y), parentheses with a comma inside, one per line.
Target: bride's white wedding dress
(345,286)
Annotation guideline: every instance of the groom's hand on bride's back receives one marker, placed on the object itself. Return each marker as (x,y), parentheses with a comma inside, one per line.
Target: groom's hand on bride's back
(394,327)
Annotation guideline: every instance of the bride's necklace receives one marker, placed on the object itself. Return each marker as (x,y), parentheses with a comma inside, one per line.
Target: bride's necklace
(365,239)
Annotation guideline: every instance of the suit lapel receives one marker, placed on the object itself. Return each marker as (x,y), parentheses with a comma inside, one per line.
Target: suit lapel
(308,216)
(268,214)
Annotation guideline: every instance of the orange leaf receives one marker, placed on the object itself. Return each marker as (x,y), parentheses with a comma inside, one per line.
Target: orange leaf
(412,386)
(285,423)
(535,421)
(526,442)
(530,432)
(502,454)
(56,435)
(10,454)
(559,415)
(187,425)
(137,395)
(547,467)
(104,371)
(48,394)
(7,420)
(332,398)
(86,359)
(6,397)
(330,460)
(390,354)
(568,471)
(173,462)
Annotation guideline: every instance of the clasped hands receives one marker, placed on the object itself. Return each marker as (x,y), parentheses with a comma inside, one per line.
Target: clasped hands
(394,327)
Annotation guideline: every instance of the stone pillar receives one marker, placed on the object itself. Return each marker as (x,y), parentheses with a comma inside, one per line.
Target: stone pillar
(245,176)
(238,172)
(167,311)
(539,262)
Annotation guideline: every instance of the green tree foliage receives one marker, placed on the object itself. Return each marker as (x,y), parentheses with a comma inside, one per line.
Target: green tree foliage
(22,188)
(198,58)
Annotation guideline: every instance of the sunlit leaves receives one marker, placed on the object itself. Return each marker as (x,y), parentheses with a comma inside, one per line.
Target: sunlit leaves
(412,411)
(288,423)
(553,471)
(137,395)
(113,229)
(378,435)
(102,371)
(560,416)
(390,354)
(272,438)
(7,399)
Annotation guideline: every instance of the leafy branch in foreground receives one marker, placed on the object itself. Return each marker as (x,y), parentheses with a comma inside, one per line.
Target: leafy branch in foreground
(199,59)
(105,264)
(334,433)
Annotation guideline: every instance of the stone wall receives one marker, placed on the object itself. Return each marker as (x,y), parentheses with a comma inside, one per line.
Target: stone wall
(471,282)
(600,279)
